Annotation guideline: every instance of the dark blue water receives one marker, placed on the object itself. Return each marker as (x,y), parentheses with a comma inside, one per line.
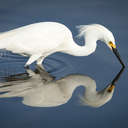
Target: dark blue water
(101,66)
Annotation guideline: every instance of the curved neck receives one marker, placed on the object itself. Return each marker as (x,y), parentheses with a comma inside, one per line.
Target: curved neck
(73,81)
(91,97)
(87,49)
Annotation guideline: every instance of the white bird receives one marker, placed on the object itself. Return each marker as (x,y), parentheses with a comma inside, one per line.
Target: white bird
(39,40)
(37,92)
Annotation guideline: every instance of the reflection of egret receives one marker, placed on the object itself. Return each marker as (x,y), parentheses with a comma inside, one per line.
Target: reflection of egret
(42,93)
(41,39)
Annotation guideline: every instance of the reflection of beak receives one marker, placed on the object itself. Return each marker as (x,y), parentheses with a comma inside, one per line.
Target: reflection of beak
(118,56)
(110,89)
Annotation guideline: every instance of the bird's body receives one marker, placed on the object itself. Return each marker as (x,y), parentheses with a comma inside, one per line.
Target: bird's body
(36,40)
(36,92)
(42,39)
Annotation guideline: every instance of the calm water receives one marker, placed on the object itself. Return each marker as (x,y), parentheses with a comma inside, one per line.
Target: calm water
(101,66)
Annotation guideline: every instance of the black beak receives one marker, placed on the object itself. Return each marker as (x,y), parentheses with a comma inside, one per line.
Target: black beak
(118,56)
(122,69)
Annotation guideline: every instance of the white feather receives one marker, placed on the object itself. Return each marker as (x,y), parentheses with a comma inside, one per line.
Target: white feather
(35,92)
(39,40)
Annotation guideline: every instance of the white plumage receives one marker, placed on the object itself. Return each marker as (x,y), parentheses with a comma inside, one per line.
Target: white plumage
(36,92)
(42,39)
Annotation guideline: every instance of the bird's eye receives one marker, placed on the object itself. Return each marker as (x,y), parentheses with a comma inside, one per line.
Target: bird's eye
(112,45)
(111,88)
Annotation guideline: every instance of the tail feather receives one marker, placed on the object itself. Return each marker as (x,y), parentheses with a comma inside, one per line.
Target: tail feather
(13,89)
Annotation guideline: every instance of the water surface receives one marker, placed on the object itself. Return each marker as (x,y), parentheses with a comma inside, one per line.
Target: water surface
(101,66)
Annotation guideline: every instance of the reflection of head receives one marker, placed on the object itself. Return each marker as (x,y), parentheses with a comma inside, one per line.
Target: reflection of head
(98,99)
(37,92)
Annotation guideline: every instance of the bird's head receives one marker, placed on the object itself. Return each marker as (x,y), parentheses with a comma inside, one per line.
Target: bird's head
(106,94)
(98,99)
(106,36)
(97,32)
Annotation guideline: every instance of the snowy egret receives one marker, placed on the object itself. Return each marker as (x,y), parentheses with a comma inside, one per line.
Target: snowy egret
(37,92)
(39,40)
